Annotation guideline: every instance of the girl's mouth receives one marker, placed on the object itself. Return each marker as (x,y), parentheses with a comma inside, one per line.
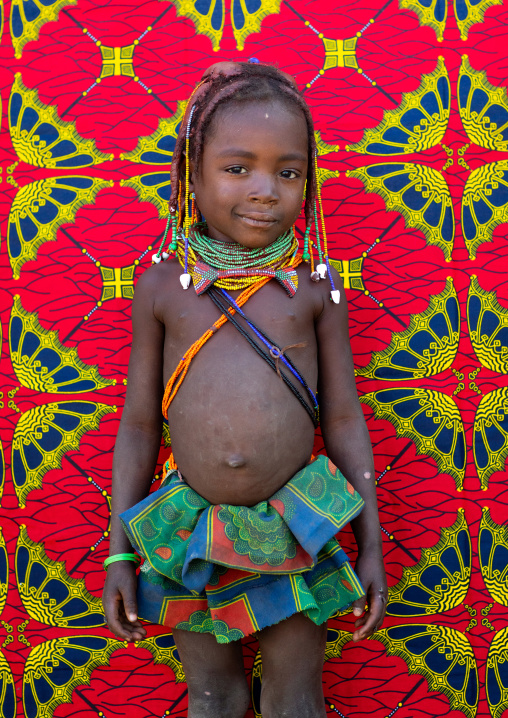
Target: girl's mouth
(258,219)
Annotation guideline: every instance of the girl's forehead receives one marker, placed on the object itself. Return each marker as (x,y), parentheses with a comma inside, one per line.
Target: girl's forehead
(252,120)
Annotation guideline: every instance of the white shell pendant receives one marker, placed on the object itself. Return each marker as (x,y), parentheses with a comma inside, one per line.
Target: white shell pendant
(335,295)
(185,280)
(321,270)
(156,259)
(165,255)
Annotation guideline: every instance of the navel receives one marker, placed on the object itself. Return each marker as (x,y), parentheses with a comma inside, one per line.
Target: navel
(236,461)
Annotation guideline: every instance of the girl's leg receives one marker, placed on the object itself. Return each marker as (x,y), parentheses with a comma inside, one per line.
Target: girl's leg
(215,675)
(293,653)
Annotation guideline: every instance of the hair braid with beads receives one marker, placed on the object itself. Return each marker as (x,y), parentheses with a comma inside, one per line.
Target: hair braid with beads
(250,83)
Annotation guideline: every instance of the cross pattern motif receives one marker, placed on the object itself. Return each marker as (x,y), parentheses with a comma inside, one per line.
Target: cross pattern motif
(412,168)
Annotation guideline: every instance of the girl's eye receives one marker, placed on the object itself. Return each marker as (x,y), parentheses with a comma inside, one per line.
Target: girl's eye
(236,170)
(289,174)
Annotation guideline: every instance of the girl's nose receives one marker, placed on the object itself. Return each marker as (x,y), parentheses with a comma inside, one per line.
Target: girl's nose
(264,190)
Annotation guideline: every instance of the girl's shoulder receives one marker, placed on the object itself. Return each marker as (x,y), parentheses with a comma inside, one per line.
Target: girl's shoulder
(159,274)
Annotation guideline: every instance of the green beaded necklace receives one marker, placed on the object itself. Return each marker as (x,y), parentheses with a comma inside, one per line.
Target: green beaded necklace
(231,255)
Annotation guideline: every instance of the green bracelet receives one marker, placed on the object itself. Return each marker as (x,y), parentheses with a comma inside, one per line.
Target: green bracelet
(121,557)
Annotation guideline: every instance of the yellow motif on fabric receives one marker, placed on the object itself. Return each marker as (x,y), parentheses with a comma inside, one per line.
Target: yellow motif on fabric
(48,661)
(340,53)
(158,147)
(164,651)
(255,685)
(166,438)
(4,575)
(49,595)
(488,328)
(493,554)
(490,434)
(428,345)
(496,682)
(7,695)
(351,271)
(117,61)
(24,30)
(42,363)
(442,655)
(475,13)
(246,17)
(440,579)
(323,148)
(430,419)
(154,188)
(419,193)
(484,204)
(44,434)
(324,174)
(41,138)
(336,640)
(483,108)
(117,282)
(418,123)
(40,208)
(434,13)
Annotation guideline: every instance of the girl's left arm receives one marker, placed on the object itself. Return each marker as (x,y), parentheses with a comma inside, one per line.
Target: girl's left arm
(348,445)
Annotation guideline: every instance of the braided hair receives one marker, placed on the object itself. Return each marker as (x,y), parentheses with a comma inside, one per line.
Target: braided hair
(244,82)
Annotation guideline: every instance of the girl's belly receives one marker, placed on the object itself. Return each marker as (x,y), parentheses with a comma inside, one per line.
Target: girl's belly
(237,432)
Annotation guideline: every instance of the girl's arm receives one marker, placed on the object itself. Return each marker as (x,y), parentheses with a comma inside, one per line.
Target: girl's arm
(136,450)
(348,446)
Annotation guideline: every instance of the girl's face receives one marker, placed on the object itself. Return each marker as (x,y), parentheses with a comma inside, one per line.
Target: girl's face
(252,174)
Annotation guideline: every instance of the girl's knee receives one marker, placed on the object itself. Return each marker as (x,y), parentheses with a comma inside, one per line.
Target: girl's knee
(218,697)
(291,701)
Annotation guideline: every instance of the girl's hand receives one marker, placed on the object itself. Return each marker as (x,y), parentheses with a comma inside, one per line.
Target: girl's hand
(119,602)
(370,570)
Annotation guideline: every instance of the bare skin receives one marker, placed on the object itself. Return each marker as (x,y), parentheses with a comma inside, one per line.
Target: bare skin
(237,433)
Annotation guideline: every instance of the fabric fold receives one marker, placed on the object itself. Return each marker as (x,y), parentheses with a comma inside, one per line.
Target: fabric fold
(247,567)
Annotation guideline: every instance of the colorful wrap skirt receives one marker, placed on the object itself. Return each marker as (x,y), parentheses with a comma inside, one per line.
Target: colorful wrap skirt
(234,570)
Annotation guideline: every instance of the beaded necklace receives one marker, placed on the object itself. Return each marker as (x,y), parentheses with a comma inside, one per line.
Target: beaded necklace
(227,255)
(229,265)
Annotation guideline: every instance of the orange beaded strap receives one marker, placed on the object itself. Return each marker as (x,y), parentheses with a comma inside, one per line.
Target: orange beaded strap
(181,370)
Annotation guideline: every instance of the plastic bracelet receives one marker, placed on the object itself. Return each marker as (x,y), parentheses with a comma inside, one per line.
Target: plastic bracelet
(121,557)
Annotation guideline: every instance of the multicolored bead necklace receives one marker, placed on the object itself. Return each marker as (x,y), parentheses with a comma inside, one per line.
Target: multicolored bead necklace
(229,265)
(229,255)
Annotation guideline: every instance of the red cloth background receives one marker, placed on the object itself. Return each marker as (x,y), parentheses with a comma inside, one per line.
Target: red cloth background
(66,510)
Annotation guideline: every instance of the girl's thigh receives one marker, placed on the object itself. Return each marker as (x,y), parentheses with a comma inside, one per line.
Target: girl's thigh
(204,659)
(293,653)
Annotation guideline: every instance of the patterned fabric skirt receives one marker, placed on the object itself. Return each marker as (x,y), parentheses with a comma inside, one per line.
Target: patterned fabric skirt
(234,570)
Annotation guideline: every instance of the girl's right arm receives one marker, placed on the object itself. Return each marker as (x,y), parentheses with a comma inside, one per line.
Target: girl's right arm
(136,450)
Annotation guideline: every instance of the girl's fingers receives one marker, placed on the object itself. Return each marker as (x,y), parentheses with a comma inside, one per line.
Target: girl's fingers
(118,613)
(133,631)
(359,606)
(371,621)
(130,604)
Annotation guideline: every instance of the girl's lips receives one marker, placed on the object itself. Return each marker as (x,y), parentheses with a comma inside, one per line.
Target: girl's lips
(258,219)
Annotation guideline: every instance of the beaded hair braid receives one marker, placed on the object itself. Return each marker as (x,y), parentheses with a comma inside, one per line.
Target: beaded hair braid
(251,83)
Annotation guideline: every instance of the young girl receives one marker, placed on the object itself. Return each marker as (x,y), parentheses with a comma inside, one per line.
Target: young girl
(244,336)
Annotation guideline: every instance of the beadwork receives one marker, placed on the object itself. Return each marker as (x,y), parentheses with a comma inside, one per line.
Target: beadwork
(243,266)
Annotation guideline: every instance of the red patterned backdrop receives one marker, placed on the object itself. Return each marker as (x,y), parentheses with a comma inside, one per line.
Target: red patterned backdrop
(409,99)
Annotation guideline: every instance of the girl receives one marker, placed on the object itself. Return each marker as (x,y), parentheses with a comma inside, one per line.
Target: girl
(240,538)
